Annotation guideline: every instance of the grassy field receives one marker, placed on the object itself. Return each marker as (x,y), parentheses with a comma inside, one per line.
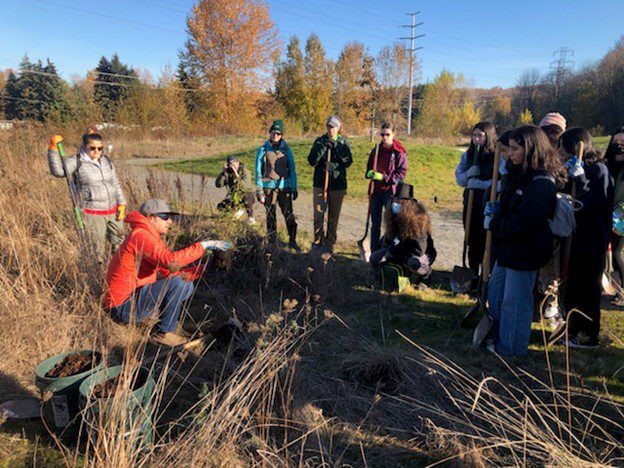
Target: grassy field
(430,169)
(347,375)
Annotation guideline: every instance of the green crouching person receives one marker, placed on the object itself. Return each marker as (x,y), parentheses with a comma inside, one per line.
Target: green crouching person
(239,199)
(276,183)
(331,156)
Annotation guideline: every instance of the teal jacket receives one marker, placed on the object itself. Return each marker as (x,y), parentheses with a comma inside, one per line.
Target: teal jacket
(287,183)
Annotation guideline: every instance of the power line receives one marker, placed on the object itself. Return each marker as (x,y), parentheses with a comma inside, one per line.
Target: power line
(411,38)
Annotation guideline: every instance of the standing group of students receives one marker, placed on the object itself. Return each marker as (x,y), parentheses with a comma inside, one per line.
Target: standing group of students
(538,163)
(539,166)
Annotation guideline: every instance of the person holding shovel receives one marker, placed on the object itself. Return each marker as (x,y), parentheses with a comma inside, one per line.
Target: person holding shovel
(144,277)
(331,156)
(100,198)
(522,238)
(387,166)
(614,158)
(587,252)
(474,173)
(276,183)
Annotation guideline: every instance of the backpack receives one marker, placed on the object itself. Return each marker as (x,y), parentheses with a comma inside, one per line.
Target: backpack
(394,278)
(562,223)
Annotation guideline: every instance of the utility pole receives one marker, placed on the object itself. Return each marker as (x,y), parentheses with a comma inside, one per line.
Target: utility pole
(411,38)
(560,66)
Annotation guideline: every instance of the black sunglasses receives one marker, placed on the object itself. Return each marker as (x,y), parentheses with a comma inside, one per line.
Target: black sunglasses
(386,134)
(96,148)
(163,216)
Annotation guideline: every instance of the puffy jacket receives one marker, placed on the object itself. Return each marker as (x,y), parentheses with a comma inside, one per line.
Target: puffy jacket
(146,246)
(98,184)
(406,248)
(341,159)
(289,182)
(521,229)
(397,167)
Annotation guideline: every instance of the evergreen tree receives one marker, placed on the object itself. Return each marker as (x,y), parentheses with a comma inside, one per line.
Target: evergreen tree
(114,81)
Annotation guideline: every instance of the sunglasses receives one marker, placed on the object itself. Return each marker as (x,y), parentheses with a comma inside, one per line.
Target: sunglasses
(386,134)
(163,216)
(96,148)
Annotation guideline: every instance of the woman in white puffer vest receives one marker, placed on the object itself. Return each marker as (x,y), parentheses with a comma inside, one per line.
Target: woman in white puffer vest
(101,198)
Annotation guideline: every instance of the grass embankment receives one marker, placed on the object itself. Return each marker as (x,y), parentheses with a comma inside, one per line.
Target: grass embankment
(431,169)
(330,381)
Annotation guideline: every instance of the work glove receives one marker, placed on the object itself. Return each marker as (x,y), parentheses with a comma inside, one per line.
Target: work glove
(425,267)
(374,175)
(574,167)
(473,184)
(491,210)
(294,194)
(474,171)
(216,245)
(54,141)
(121,212)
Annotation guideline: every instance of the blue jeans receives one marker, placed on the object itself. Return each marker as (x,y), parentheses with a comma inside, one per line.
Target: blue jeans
(377,202)
(510,300)
(165,296)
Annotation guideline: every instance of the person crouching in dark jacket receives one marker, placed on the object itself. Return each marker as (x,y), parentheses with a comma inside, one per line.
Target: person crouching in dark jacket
(522,237)
(407,240)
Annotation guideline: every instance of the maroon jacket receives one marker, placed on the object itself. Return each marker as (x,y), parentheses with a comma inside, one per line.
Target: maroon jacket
(392,164)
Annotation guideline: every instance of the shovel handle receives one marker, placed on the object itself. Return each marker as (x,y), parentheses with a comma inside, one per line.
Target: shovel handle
(488,236)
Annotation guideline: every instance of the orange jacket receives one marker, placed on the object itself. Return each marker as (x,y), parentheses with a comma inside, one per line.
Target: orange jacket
(141,257)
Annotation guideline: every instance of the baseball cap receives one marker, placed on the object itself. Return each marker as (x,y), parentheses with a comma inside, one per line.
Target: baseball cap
(155,206)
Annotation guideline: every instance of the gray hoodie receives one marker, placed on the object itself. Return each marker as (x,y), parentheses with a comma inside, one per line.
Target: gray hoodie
(98,184)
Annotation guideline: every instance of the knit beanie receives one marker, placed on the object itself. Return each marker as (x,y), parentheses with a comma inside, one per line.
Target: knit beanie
(553,118)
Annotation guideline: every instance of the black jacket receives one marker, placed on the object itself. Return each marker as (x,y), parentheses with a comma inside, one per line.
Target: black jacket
(594,191)
(341,158)
(522,237)
(406,248)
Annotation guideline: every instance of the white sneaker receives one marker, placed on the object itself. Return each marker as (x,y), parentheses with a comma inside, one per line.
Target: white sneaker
(251,221)
(239,214)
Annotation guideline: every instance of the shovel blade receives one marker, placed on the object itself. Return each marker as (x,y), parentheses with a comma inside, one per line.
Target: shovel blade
(461,279)
(364,252)
(608,286)
(482,331)
(470,314)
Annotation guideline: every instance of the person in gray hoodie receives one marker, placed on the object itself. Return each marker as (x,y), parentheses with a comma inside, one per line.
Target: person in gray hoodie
(101,198)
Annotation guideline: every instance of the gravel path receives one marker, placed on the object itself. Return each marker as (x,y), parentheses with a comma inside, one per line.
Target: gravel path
(447,227)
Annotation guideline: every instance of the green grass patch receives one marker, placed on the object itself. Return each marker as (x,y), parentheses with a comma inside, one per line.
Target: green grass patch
(431,169)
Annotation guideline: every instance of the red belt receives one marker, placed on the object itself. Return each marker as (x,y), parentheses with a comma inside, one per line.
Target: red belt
(112,211)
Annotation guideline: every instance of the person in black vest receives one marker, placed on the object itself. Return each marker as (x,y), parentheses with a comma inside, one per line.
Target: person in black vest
(474,173)
(594,193)
(522,236)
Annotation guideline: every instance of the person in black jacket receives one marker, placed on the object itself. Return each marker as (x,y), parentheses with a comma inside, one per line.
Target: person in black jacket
(522,236)
(407,240)
(335,147)
(594,192)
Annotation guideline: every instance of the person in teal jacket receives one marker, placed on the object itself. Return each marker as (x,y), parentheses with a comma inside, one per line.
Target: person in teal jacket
(276,182)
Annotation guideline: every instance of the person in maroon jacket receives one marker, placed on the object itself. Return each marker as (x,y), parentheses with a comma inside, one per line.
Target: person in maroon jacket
(389,170)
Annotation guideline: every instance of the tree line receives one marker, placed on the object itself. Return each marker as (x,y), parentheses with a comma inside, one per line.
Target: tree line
(230,78)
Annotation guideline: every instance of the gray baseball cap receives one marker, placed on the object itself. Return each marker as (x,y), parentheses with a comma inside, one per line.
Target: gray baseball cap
(156,206)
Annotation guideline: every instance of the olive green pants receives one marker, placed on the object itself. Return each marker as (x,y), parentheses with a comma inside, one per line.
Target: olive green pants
(104,232)
(334,205)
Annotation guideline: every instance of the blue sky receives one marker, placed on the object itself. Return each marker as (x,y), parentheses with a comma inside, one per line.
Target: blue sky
(490,42)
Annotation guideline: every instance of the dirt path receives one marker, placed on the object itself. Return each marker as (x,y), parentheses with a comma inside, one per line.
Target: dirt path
(447,227)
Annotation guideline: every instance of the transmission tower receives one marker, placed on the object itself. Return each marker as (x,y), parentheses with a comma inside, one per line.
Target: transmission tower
(411,38)
(560,67)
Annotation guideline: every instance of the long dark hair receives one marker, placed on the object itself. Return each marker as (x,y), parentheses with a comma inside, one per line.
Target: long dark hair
(610,153)
(539,153)
(570,139)
(490,140)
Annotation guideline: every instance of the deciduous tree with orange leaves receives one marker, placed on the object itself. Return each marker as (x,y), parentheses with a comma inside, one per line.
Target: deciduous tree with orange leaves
(231,47)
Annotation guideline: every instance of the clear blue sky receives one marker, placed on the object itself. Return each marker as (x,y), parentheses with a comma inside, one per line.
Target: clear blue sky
(491,42)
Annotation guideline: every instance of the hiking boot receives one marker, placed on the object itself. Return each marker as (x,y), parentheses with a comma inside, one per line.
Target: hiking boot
(168,339)
(618,301)
(583,341)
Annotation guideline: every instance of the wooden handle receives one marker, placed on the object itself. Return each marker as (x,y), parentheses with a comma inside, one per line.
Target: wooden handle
(488,237)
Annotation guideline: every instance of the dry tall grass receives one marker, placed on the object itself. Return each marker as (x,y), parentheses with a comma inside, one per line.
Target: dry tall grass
(287,391)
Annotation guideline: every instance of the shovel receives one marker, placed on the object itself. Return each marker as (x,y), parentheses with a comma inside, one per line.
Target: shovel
(462,276)
(364,252)
(608,284)
(325,189)
(486,323)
